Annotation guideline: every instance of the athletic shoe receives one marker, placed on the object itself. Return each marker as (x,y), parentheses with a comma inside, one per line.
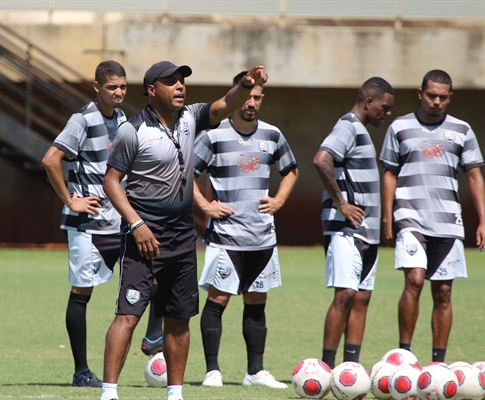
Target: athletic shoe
(213,379)
(88,379)
(263,378)
(151,347)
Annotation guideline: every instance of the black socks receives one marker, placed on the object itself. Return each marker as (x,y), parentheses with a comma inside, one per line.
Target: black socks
(211,328)
(254,332)
(76,329)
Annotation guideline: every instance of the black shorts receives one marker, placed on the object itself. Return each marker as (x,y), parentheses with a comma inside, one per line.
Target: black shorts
(436,248)
(109,247)
(248,265)
(175,269)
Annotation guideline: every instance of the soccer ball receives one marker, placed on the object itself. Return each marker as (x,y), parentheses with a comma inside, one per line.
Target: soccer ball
(437,382)
(457,364)
(311,378)
(403,381)
(399,357)
(349,381)
(471,382)
(156,371)
(480,365)
(380,375)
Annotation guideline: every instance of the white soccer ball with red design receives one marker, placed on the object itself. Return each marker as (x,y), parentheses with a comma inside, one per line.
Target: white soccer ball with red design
(156,371)
(457,364)
(349,381)
(480,365)
(471,382)
(437,382)
(399,357)
(403,382)
(311,378)
(380,375)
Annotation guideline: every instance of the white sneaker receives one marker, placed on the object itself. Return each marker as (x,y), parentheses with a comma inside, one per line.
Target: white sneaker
(213,379)
(263,378)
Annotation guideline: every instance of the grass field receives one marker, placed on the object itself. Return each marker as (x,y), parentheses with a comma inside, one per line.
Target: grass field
(35,358)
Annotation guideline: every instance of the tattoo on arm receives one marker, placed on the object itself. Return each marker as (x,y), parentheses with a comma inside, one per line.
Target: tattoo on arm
(215,113)
(329,180)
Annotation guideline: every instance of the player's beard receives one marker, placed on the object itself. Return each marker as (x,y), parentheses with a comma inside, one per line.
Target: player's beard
(248,117)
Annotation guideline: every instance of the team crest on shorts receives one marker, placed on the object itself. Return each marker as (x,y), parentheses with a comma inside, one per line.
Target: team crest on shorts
(224,272)
(412,248)
(132,296)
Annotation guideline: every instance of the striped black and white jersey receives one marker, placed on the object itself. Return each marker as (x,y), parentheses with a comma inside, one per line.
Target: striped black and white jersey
(427,160)
(357,176)
(86,140)
(238,167)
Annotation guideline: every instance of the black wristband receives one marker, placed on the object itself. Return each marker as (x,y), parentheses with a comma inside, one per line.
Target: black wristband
(245,86)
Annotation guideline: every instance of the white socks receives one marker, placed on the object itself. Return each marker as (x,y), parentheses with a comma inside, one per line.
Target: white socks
(110,391)
(174,392)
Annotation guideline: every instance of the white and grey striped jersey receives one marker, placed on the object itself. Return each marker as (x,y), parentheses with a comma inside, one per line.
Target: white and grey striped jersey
(427,161)
(357,176)
(86,140)
(239,167)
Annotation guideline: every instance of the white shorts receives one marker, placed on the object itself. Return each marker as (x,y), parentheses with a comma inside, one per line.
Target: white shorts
(344,265)
(444,262)
(220,272)
(87,267)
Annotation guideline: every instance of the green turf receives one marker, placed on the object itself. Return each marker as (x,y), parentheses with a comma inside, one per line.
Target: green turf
(35,359)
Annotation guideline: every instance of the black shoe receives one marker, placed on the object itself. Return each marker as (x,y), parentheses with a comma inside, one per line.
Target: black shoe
(151,347)
(88,379)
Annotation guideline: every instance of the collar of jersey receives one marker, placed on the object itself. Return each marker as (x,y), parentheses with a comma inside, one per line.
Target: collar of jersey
(151,118)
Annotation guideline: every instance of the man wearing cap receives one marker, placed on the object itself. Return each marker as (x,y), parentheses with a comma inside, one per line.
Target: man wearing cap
(155,150)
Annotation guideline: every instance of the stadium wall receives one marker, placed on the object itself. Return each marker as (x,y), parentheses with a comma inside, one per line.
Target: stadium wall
(315,64)
(30,210)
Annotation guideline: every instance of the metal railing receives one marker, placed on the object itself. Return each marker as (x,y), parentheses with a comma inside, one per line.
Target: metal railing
(37,95)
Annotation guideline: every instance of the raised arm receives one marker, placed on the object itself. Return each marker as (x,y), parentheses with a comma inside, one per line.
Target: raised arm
(270,205)
(323,162)
(389,185)
(237,96)
(477,189)
(146,243)
(213,208)
(52,164)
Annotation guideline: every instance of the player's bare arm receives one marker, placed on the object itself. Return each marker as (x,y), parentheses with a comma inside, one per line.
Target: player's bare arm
(213,209)
(323,162)
(270,205)
(52,164)
(146,243)
(235,98)
(389,185)
(477,189)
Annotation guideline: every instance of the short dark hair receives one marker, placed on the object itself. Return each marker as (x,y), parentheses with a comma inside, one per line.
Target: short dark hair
(108,68)
(374,84)
(438,76)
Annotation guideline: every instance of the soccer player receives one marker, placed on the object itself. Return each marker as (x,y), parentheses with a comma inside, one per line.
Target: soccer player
(347,166)
(241,255)
(155,150)
(91,223)
(421,155)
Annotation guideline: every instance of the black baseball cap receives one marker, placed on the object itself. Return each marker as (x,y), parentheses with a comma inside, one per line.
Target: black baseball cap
(163,69)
